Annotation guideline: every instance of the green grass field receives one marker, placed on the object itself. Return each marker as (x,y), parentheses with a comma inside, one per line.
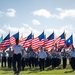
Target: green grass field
(36,71)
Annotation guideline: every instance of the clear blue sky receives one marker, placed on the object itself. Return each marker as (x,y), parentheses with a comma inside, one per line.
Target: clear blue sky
(37,15)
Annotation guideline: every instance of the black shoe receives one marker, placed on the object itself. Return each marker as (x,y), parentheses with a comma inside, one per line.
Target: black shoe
(40,69)
(22,69)
(15,72)
(73,69)
(18,73)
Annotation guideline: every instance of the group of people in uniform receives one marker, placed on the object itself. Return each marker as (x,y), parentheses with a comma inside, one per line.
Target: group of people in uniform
(19,58)
(6,56)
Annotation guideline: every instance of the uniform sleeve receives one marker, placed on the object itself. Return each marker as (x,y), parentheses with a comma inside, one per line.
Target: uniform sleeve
(22,48)
(71,54)
(45,54)
(12,48)
(38,55)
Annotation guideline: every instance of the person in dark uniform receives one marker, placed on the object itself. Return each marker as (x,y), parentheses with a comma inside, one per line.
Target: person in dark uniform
(27,59)
(32,54)
(64,58)
(17,56)
(53,53)
(72,55)
(42,57)
(10,55)
(23,60)
(36,58)
(3,59)
(48,61)
(58,58)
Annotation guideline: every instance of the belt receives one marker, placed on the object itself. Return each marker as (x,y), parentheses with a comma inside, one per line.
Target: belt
(17,54)
(73,57)
(41,58)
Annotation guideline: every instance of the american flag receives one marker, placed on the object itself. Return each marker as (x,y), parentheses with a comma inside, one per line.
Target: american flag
(60,41)
(27,42)
(5,42)
(49,44)
(42,42)
(57,40)
(42,38)
(22,41)
(2,47)
(35,44)
(13,38)
(38,41)
(49,41)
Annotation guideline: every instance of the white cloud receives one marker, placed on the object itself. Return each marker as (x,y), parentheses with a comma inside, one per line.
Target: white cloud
(11,12)
(35,22)
(57,32)
(42,12)
(69,29)
(11,29)
(61,13)
(29,29)
(25,30)
(65,13)
(2,32)
(59,9)
(1,13)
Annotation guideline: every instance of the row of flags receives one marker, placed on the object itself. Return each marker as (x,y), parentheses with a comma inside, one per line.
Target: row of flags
(36,42)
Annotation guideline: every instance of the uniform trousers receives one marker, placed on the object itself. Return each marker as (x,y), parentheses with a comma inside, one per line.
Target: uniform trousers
(58,62)
(53,63)
(64,63)
(73,63)
(32,62)
(23,63)
(36,62)
(48,62)
(41,64)
(17,63)
(3,61)
(9,62)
